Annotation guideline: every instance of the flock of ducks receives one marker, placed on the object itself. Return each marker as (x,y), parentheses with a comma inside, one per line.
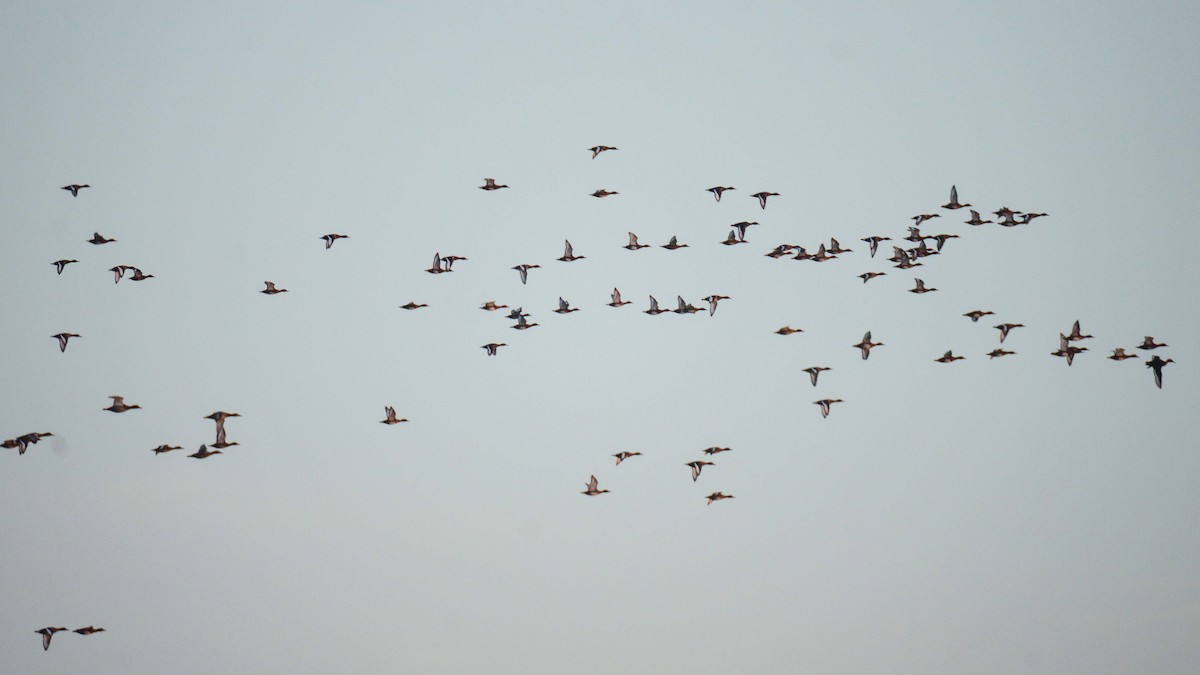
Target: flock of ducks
(922,246)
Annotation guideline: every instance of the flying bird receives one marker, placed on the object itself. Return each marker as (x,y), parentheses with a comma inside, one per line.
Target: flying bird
(63,338)
(75,188)
(271,290)
(976,314)
(616,299)
(718,190)
(569,253)
(204,452)
(715,449)
(98,239)
(60,264)
(118,405)
(565,307)
(523,270)
(999,352)
(712,301)
(490,184)
(633,244)
(622,456)
(89,630)
(491,347)
(920,287)
(1004,329)
(522,324)
(1149,343)
(741,228)
(949,357)
(592,488)
(814,371)
(825,403)
(1156,363)
(599,149)
(866,345)
(219,417)
(975,220)
(491,306)
(48,631)
(604,193)
(166,448)
(674,244)
(762,197)
(1120,355)
(390,412)
(697,466)
(410,305)
(867,276)
(873,243)
(330,238)
(716,497)
(953,203)
(654,309)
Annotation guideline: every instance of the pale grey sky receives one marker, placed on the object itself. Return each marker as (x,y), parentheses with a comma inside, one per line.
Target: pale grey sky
(997,516)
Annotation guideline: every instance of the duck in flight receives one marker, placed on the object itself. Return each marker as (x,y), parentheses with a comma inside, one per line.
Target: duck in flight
(715,449)
(788,330)
(813,372)
(697,466)
(622,456)
(271,289)
(1076,335)
(867,276)
(74,188)
(616,299)
(825,403)
(873,243)
(633,244)
(977,314)
(522,324)
(391,418)
(1156,363)
(491,306)
(741,228)
(48,631)
(60,264)
(949,357)
(1004,329)
(1067,350)
(717,190)
(762,197)
(219,417)
(88,630)
(523,270)
(1149,343)
(565,307)
(674,244)
(732,239)
(999,352)
(685,307)
(204,452)
(975,220)
(920,287)
(712,301)
(410,305)
(716,497)
(118,405)
(654,308)
(604,193)
(866,345)
(97,239)
(599,149)
(953,203)
(593,488)
(63,338)
(166,448)
(491,347)
(1120,355)
(490,184)
(330,238)
(569,253)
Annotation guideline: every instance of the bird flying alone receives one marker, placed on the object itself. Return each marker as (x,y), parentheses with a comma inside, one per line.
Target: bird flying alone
(716,497)
(599,149)
(330,238)
(633,244)
(825,404)
(491,347)
(813,372)
(674,244)
(97,239)
(604,193)
(569,253)
(390,412)
(866,345)
(1156,363)
(413,305)
(88,630)
(616,299)
(74,188)
(271,290)
(490,184)
(622,456)
(523,270)
(62,340)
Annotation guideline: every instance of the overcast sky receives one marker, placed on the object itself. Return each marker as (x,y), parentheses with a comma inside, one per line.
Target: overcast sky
(1008,515)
